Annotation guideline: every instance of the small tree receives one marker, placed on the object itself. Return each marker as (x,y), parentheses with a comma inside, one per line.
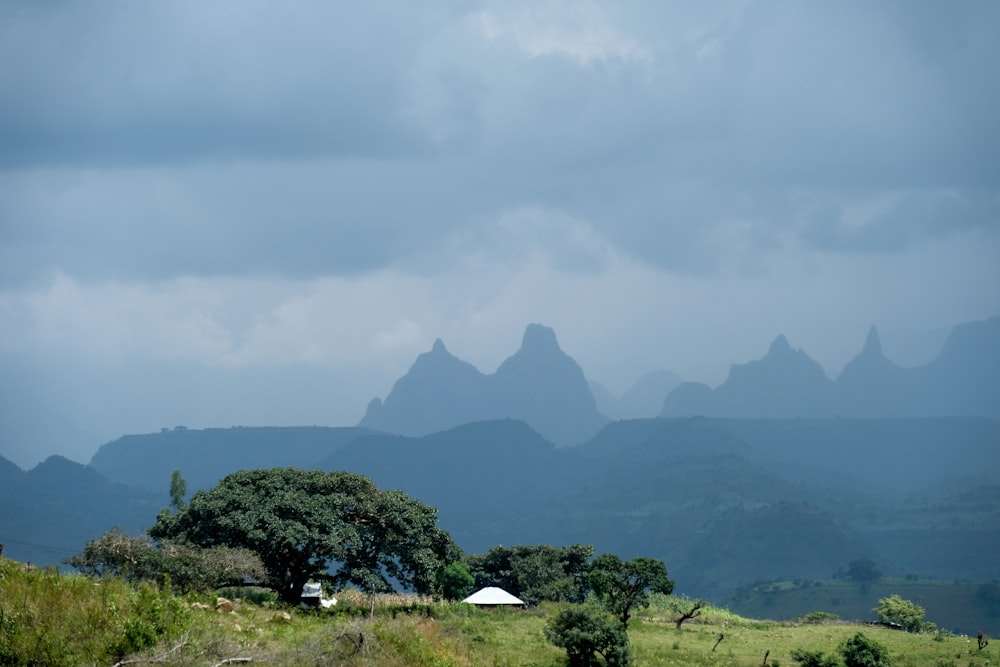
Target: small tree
(586,633)
(455,581)
(624,586)
(895,609)
(863,571)
(859,651)
(814,658)
(693,612)
(178,489)
(137,558)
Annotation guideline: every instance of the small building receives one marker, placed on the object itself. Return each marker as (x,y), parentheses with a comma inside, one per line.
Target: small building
(312,596)
(492,597)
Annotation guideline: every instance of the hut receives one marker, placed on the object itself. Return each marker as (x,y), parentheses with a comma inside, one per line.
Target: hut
(492,597)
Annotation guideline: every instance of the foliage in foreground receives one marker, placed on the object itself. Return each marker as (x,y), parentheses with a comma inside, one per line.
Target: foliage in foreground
(80,618)
(586,633)
(860,651)
(47,618)
(814,658)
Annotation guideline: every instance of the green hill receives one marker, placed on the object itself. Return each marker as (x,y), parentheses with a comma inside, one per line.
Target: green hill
(57,619)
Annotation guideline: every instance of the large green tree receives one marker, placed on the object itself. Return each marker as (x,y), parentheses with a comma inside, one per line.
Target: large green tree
(309,524)
(625,585)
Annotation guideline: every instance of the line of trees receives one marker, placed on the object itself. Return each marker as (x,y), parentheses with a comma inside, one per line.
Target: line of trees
(283,527)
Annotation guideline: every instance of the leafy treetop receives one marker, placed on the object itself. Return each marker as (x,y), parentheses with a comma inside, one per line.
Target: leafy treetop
(535,572)
(625,585)
(895,609)
(310,524)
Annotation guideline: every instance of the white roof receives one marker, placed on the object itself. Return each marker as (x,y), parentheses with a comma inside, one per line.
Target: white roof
(492,595)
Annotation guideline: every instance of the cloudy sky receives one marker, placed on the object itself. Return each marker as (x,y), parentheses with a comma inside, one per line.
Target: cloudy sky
(256,212)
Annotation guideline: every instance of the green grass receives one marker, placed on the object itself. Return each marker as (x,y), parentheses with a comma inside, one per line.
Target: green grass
(950,605)
(58,619)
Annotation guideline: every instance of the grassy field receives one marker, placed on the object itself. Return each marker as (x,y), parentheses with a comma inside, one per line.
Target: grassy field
(950,605)
(48,618)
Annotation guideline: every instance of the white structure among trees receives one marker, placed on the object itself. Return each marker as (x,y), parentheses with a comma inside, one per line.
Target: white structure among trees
(492,596)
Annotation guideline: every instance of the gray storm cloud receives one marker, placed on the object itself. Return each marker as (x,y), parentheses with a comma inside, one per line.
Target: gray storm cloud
(313,186)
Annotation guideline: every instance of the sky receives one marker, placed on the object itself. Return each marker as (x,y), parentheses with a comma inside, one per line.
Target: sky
(260,213)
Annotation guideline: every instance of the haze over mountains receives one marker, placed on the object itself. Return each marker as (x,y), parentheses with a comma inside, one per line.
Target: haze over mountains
(544,387)
(780,472)
(964,379)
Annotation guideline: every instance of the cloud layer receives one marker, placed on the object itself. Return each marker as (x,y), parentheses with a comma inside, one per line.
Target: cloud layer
(248,186)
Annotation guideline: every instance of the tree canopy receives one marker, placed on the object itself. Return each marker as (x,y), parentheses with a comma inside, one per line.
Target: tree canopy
(895,609)
(136,558)
(535,572)
(863,571)
(625,585)
(309,524)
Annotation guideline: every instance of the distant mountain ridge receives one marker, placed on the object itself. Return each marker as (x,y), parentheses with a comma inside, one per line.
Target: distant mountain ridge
(963,380)
(540,385)
(546,388)
(204,456)
(722,501)
(52,510)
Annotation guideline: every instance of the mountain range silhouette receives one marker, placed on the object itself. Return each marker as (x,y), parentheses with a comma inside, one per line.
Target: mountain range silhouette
(544,387)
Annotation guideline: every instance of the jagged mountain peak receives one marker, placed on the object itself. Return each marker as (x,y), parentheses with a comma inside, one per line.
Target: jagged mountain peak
(873,344)
(779,346)
(540,384)
(539,338)
(438,347)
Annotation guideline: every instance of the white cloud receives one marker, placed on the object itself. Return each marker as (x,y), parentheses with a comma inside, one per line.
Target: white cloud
(578,30)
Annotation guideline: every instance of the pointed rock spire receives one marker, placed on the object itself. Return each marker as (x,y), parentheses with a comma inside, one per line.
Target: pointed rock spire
(873,345)
(779,345)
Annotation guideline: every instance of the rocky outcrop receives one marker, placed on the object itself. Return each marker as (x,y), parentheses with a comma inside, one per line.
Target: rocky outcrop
(540,385)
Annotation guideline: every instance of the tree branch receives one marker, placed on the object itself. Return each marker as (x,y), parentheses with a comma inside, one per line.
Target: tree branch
(693,613)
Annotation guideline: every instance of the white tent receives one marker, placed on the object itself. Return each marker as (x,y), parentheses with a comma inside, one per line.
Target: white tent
(491,597)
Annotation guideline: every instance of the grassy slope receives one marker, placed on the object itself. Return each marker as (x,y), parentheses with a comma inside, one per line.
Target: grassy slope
(950,605)
(68,620)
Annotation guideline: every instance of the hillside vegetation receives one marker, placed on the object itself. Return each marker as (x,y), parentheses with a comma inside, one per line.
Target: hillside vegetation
(68,619)
(957,606)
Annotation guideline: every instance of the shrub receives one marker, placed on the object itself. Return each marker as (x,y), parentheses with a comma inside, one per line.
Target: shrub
(455,581)
(895,609)
(814,658)
(818,617)
(859,651)
(586,633)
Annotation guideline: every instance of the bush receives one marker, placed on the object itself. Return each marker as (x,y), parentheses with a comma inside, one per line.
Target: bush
(895,609)
(455,581)
(586,633)
(859,651)
(818,617)
(188,567)
(814,658)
